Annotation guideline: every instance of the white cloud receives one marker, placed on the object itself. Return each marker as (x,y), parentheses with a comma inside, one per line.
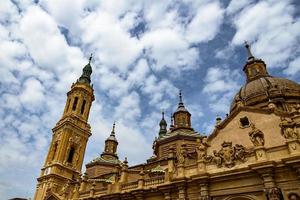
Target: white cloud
(32,93)
(113,45)
(294,67)
(221,84)
(237,5)
(205,25)
(170,50)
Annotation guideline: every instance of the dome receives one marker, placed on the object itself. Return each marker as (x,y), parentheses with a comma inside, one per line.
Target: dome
(264,89)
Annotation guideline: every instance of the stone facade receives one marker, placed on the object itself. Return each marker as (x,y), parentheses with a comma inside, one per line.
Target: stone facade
(252,154)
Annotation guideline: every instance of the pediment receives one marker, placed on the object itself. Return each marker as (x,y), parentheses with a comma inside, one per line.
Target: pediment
(230,130)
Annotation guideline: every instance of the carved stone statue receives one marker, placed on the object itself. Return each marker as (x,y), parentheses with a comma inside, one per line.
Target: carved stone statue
(65,189)
(274,193)
(201,148)
(289,129)
(256,136)
(217,158)
(181,156)
(240,152)
(290,133)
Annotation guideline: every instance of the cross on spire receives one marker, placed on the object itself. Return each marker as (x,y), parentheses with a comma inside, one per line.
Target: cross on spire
(113,129)
(91,57)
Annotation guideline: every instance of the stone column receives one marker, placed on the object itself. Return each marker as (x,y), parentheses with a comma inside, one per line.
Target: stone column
(182,192)
(271,190)
(171,160)
(141,180)
(181,170)
(83,183)
(167,195)
(139,196)
(124,172)
(92,190)
(204,194)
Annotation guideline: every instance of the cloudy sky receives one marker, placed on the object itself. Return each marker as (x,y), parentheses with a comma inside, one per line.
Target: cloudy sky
(144,52)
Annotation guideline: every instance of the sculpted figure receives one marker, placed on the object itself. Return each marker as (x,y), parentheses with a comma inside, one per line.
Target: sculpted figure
(256,136)
(274,193)
(240,152)
(217,158)
(181,155)
(201,148)
(65,189)
(290,133)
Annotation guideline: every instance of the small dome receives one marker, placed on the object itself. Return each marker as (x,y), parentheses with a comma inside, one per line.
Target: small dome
(162,122)
(263,89)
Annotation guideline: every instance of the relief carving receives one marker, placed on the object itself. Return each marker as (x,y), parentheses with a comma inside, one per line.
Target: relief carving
(273,193)
(228,155)
(75,140)
(295,109)
(202,148)
(182,154)
(289,129)
(65,189)
(256,136)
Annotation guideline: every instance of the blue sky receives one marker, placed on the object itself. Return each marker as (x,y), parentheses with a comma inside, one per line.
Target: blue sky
(144,52)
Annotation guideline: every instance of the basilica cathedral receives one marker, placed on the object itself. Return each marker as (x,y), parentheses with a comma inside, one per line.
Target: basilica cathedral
(252,154)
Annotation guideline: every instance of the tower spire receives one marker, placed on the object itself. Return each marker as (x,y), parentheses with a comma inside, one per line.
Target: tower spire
(180,104)
(113,129)
(250,55)
(111,144)
(91,57)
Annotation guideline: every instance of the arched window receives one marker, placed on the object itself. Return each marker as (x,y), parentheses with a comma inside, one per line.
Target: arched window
(54,151)
(75,103)
(68,105)
(71,155)
(82,107)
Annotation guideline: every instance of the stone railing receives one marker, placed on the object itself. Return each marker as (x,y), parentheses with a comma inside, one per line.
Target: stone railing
(129,186)
(155,181)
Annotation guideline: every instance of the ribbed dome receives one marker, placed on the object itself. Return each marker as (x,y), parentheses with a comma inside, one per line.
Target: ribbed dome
(264,89)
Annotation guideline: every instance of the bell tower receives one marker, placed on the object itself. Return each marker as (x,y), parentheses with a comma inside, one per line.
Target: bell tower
(182,117)
(64,160)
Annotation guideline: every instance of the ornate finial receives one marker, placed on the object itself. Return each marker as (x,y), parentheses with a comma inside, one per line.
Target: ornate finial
(91,57)
(250,56)
(125,161)
(180,99)
(171,125)
(113,129)
(163,114)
